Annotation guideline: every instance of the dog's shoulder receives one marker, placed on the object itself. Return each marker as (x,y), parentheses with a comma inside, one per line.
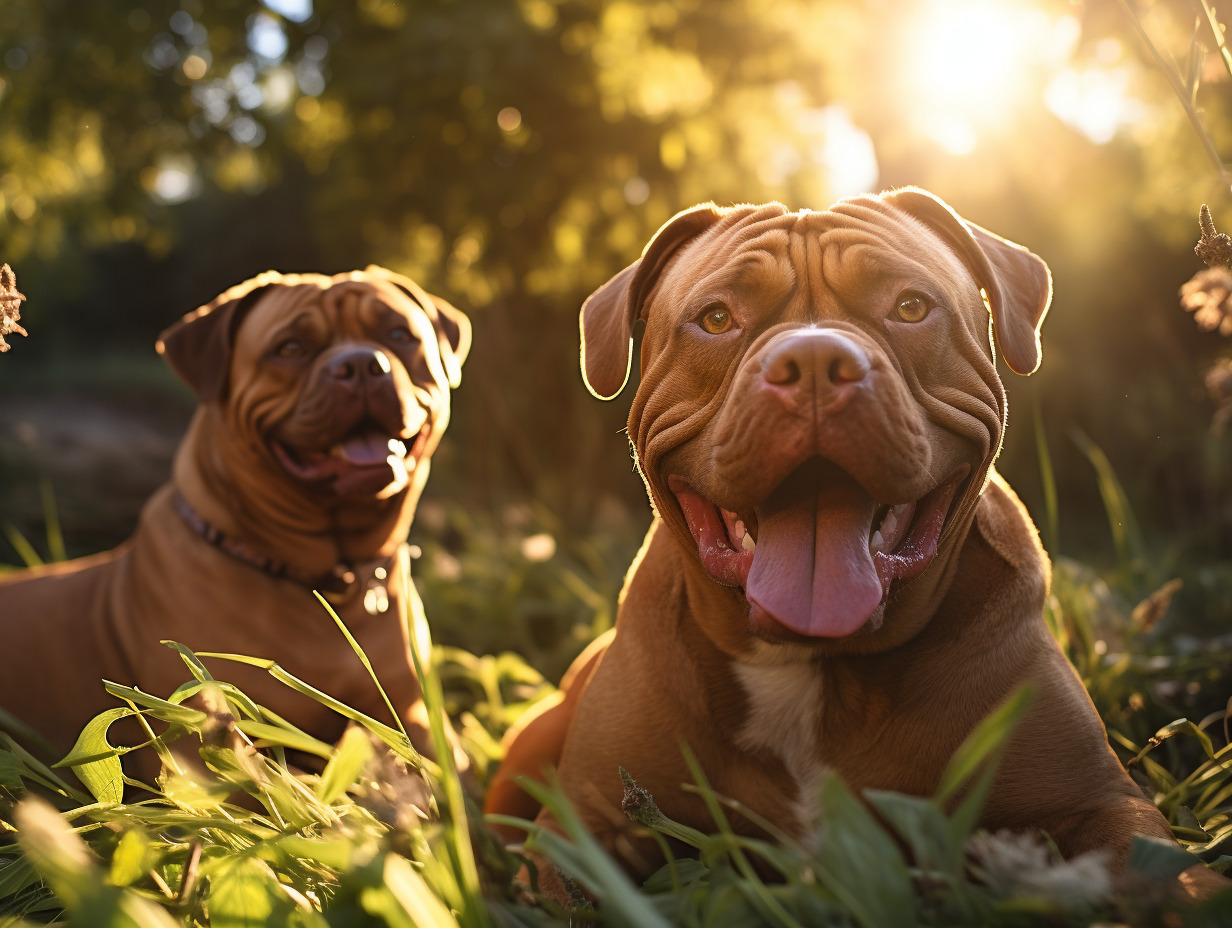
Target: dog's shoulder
(1003,523)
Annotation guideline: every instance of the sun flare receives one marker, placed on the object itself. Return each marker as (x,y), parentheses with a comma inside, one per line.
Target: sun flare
(970,63)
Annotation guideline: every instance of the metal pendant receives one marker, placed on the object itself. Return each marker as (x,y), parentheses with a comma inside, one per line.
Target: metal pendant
(376,594)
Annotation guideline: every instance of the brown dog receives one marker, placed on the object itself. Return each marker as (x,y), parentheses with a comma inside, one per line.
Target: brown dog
(321,401)
(836,579)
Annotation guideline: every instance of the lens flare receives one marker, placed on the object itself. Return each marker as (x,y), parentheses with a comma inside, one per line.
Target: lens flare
(969,65)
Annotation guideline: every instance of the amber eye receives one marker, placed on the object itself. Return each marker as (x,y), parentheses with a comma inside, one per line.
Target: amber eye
(912,307)
(401,334)
(291,348)
(717,320)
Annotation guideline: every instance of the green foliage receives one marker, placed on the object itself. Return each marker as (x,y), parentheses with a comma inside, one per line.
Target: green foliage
(380,836)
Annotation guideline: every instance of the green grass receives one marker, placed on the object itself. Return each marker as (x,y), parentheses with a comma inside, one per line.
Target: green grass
(377,835)
(380,836)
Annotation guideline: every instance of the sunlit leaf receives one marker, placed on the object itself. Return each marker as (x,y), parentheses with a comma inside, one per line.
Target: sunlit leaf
(244,893)
(95,762)
(134,856)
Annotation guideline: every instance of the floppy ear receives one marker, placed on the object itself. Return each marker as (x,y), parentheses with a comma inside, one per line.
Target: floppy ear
(198,347)
(1017,282)
(453,333)
(453,328)
(608,315)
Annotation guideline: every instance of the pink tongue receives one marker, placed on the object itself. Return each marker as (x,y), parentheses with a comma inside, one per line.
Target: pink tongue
(368,448)
(812,572)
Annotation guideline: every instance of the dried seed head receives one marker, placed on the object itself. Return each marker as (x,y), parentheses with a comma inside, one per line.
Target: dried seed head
(10,306)
(637,803)
(1214,248)
(1205,222)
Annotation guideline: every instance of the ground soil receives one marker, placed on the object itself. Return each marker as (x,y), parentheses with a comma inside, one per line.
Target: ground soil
(102,454)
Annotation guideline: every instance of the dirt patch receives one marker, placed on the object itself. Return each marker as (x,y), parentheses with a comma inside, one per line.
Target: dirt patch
(102,456)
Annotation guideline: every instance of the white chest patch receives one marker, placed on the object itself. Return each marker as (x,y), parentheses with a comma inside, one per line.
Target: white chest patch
(784,711)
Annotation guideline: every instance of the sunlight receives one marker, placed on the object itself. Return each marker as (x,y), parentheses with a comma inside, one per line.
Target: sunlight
(970,63)
(1094,100)
(845,152)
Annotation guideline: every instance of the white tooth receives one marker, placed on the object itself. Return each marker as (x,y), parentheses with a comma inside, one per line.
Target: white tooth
(876,542)
(397,448)
(748,543)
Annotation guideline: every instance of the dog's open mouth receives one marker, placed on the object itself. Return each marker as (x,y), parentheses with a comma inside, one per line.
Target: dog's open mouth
(819,555)
(366,459)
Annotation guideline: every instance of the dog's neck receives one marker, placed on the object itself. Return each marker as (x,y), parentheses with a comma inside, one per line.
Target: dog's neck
(242,492)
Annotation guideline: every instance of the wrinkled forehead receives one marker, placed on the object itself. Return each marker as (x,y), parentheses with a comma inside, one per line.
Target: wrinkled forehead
(346,307)
(854,246)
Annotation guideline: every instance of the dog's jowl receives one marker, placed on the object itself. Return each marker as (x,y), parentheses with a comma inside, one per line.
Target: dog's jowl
(836,578)
(321,400)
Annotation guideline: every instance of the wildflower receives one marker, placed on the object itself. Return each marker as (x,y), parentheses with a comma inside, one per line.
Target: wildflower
(395,794)
(10,305)
(1208,295)
(1023,865)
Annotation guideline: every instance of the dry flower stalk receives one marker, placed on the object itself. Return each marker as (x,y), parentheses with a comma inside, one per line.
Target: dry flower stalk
(10,306)
(1214,248)
(1208,294)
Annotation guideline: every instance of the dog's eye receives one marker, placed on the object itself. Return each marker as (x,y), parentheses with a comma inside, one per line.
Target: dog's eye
(401,334)
(718,319)
(912,307)
(291,348)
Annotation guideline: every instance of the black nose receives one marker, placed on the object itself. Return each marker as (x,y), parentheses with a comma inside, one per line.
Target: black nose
(359,365)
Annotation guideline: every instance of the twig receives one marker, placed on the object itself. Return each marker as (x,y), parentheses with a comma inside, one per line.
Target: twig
(1195,120)
(189,883)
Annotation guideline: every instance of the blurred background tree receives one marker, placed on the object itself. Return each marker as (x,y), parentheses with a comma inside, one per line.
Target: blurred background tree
(511,155)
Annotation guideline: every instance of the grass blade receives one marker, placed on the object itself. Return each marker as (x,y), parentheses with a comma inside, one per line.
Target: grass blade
(363,659)
(458,843)
(983,744)
(24,549)
(51,518)
(1125,534)
(1048,479)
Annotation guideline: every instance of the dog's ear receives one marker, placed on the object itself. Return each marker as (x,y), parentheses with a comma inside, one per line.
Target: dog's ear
(199,346)
(453,332)
(1017,282)
(609,314)
(453,328)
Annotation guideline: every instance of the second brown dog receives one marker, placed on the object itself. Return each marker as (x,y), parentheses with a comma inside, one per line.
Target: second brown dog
(321,402)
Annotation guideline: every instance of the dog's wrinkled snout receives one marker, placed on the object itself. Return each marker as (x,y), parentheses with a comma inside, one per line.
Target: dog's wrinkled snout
(359,365)
(825,363)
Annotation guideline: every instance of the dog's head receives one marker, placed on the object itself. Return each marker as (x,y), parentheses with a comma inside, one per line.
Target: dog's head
(819,403)
(339,385)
